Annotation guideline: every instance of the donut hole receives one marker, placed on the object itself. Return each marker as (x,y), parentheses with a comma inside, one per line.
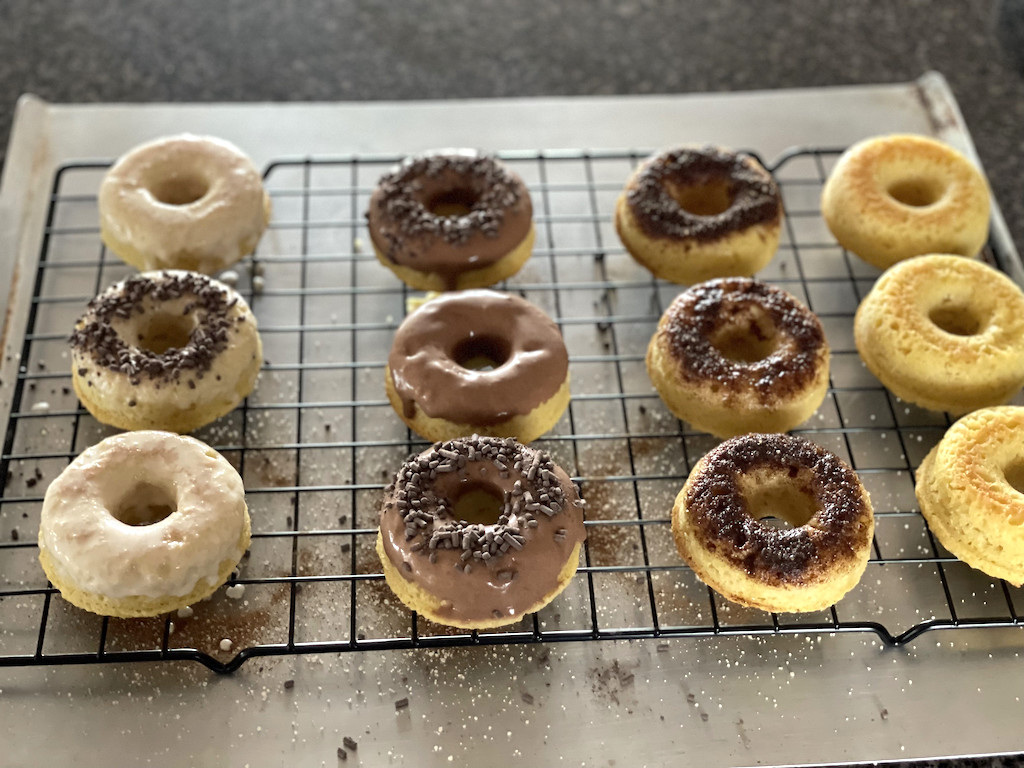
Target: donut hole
(180,190)
(144,504)
(1015,475)
(453,202)
(957,320)
(161,331)
(711,198)
(916,193)
(482,353)
(781,502)
(747,341)
(478,504)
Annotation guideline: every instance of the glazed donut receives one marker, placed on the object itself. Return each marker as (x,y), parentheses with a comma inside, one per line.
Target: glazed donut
(736,355)
(443,222)
(719,529)
(479,531)
(944,332)
(183,202)
(478,361)
(165,350)
(143,523)
(692,214)
(894,197)
(970,488)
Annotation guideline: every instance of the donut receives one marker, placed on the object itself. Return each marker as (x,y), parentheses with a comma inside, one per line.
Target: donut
(970,488)
(167,350)
(735,355)
(692,214)
(443,222)
(720,529)
(143,523)
(183,202)
(944,332)
(893,197)
(479,531)
(478,361)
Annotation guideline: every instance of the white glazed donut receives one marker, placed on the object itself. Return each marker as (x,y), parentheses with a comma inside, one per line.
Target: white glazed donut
(183,202)
(165,350)
(143,523)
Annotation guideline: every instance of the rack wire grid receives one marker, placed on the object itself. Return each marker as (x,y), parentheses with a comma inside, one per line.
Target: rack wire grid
(317,440)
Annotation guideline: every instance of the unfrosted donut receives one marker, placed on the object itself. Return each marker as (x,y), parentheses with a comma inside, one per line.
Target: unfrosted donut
(183,202)
(944,332)
(893,197)
(143,523)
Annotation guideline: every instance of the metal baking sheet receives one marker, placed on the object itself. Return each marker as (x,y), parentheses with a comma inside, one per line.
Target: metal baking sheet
(317,440)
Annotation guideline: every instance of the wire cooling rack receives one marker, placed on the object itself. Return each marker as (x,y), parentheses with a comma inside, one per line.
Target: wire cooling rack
(317,440)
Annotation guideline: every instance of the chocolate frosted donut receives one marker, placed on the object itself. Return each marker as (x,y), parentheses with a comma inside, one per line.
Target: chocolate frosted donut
(692,214)
(450,221)
(479,531)
(719,529)
(736,355)
(478,361)
(168,350)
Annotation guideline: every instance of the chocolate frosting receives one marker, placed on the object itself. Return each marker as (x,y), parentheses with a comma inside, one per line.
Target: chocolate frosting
(722,522)
(482,571)
(697,315)
(424,362)
(752,191)
(405,229)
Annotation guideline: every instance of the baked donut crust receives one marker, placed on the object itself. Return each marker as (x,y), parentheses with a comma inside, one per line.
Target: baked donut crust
(451,221)
(168,350)
(718,529)
(893,197)
(970,488)
(944,332)
(183,202)
(736,355)
(434,382)
(503,563)
(143,523)
(691,214)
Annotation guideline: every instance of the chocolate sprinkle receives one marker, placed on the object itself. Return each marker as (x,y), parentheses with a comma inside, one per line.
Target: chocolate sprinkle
(349,743)
(402,703)
(95,336)
(753,194)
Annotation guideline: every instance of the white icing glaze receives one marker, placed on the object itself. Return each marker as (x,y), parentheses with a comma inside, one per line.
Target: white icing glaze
(101,554)
(211,232)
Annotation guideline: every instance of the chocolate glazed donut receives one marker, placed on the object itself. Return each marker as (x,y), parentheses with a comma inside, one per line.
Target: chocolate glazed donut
(719,529)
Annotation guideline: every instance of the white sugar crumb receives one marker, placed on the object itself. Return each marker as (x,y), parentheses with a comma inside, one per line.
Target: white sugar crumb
(229,277)
(41,407)
(226,645)
(358,245)
(186,612)
(258,284)
(235,591)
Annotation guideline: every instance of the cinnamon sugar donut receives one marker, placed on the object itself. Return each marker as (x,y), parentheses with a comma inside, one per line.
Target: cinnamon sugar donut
(692,214)
(970,488)
(443,222)
(736,355)
(479,531)
(165,350)
(944,332)
(183,202)
(478,361)
(718,523)
(893,197)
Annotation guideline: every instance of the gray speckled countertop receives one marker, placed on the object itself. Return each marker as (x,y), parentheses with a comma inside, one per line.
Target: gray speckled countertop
(331,50)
